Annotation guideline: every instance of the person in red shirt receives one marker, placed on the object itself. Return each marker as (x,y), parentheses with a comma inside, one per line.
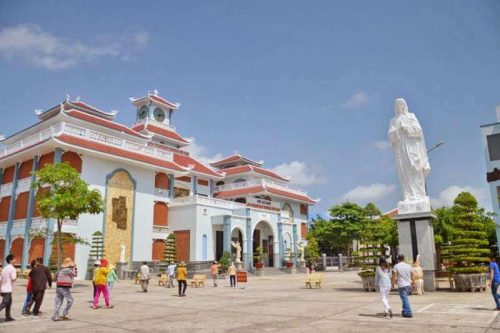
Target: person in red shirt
(29,293)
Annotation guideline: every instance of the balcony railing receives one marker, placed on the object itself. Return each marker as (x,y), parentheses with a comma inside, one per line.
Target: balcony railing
(157,124)
(160,192)
(5,190)
(160,229)
(197,199)
(258,182)
(87,134)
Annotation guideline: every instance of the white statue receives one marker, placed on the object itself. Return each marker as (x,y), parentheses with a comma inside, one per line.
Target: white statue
(237,246)
(122,252)
(302,252)
(407,139)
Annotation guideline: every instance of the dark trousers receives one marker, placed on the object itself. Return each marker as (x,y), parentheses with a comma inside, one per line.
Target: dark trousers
(232,279)
(182,286)
(37,298)
(6,303)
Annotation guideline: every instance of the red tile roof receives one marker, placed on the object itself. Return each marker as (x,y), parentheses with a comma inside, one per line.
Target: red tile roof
(261,189)
(156,99)
(104,122)
(187,161)
(235,158)
(160,131)
(119,152)
(249,168)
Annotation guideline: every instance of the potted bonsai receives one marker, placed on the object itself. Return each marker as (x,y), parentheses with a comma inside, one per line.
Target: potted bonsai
(224,264)
(260,257)
(368,256)
(287,262)
(469,244)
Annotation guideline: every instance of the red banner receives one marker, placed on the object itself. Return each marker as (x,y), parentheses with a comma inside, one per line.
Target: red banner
(241,277)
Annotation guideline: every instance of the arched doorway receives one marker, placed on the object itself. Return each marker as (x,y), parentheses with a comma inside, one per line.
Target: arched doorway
(17,249)
(36,248)
(263,235)
(158,249)
(288,208)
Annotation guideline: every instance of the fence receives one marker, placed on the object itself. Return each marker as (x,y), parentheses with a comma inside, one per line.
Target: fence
(339,262)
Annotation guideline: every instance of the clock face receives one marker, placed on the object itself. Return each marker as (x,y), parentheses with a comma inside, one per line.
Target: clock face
(159,115)
(143,112)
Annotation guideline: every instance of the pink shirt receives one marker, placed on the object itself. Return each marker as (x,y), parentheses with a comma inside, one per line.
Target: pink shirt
(7,276)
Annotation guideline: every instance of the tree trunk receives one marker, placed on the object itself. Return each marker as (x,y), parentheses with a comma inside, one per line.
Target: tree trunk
(59,244)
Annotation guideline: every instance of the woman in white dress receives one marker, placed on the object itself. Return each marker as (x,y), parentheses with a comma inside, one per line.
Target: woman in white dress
(383,276)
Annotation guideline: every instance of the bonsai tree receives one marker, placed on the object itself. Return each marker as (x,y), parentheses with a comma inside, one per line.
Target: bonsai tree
(225,260)
(260,256)
(311,250)
(97,246)
(62,195)
(170,253)
(468,235)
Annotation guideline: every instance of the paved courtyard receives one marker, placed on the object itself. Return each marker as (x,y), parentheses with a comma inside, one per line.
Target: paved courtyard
(278,303)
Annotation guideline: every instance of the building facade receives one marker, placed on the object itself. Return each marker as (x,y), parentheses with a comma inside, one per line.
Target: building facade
(151,186)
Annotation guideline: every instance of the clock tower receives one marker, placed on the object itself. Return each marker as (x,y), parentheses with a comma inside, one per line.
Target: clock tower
(155,109)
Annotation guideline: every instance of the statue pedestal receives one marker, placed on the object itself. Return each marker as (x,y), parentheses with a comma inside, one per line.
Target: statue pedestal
(120,268)
(416,236)
(238,265)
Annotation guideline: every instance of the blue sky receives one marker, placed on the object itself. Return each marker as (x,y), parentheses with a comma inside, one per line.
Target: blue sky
(308,87)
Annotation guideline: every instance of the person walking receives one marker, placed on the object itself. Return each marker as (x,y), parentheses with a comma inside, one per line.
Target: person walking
(101,284)
(112,278)
(494,281)
(144,276)
(171,274)
(383,281)
(7,278)
(405,277)
(64,283)
(97,264)
(231,271)
(214,271)
(29,293)
(40,277)
(181,278)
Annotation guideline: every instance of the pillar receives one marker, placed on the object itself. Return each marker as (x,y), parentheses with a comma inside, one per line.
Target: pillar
(416,237)
(249,262)
(171,186)
(280,240)
(226,229)
(194,185)
(29,216)
(210,188)
(50,222)
(295,245)
(12,209)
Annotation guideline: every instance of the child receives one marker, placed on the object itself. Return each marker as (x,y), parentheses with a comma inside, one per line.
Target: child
(111,279)
(214,271)
(101,284)
(29,293)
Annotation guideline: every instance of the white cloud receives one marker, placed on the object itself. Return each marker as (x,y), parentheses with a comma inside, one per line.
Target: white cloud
(356,100)
(372,193)
(31,44)
(382,144)
(449,194)
(298,172)
(200,152)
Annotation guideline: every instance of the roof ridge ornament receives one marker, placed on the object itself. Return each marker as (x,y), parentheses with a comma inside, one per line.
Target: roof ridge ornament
(67,97)
(155,92)
(77,99)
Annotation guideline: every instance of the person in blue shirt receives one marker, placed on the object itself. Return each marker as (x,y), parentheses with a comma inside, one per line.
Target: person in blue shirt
(494,281)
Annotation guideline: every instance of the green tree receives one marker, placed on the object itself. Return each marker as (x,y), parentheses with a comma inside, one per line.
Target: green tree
(311,250)
(225,260)
(348,221)
(468,235)
(170,254)
(62,195)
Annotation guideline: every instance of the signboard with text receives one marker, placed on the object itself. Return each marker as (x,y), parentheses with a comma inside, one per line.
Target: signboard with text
(241,276)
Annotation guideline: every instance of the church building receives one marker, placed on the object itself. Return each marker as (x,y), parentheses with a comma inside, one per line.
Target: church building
(151,187)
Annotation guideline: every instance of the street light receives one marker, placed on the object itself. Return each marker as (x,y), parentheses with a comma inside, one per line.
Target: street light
(440,143)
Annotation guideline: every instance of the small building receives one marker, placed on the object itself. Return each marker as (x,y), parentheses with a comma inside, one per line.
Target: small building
(491,147)
(152,187)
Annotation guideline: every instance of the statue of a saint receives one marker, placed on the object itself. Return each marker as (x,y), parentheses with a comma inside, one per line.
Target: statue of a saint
(122,253)
(407,139)
(237,246)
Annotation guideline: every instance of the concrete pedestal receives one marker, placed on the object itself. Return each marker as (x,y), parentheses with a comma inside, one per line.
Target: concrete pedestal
(120,267)
(238,265)
(416,236)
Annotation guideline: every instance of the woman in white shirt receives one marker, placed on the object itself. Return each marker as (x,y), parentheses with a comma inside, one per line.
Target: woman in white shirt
(383,281)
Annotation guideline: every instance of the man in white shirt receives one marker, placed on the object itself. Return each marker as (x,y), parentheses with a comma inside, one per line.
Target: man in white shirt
(171,274)
(7,277)
(405,277)
(144,276)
